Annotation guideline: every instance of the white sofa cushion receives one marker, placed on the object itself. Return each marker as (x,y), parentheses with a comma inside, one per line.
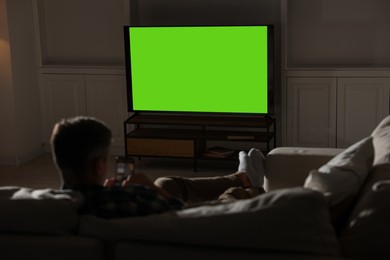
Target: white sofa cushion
(342,176)
(341,179)
(289,220)
(381,140)
(43,211)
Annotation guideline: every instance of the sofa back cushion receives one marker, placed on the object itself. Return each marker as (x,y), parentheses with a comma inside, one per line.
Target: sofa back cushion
(43,211)
(289,220)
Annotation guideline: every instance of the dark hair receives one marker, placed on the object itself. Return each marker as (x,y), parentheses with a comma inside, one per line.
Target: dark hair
(76,142)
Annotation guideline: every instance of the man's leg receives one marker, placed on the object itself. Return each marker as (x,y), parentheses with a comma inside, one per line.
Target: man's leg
(238,193)
(198,189)
(194,190)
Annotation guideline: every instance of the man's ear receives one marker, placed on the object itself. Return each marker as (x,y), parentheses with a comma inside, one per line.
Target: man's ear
(99,168)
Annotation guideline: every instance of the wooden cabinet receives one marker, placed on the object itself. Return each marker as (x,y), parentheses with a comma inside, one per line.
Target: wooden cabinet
(184,136)
(66,94)
(334,111)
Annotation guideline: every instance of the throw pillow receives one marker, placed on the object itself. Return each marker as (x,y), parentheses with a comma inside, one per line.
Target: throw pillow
(381,140)
(286,220)
(367,234)
(342,177)
(43,211)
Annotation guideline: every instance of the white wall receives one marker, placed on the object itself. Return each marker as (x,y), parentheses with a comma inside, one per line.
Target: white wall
(87,32)
(20,133)
(198,12)
(343,33)
(7,96)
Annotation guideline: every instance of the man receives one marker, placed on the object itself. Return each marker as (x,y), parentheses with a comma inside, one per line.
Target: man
(81,150)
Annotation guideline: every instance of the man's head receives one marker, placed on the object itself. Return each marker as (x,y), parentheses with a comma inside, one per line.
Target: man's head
(80,148)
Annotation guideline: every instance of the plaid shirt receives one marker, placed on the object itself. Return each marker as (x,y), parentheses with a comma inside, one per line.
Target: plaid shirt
(129,201)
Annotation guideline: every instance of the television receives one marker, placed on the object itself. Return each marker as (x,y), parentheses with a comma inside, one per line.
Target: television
(214,69)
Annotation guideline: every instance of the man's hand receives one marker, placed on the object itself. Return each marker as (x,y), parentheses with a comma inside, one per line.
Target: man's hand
(110,182)
(137,178)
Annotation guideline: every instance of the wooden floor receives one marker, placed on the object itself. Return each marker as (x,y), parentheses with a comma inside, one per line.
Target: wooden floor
(41,173)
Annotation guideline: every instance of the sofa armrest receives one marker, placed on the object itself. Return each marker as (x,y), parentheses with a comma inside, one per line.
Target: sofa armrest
(289,166)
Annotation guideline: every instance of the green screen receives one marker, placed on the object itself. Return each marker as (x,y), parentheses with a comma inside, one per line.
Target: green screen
(199,69)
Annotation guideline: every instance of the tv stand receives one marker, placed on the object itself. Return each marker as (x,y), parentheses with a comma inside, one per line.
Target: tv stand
(184,136)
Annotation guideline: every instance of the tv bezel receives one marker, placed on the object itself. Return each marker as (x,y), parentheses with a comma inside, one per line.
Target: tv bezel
(270,72)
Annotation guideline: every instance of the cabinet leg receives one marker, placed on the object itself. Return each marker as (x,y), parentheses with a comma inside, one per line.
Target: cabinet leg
(195,165)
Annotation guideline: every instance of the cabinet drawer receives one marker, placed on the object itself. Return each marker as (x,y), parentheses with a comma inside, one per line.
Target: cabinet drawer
(160,147)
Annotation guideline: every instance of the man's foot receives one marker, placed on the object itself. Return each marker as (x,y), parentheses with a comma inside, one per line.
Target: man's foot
(257,159)
(252,164)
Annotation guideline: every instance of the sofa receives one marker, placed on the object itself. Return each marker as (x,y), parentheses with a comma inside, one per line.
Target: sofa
(320,203)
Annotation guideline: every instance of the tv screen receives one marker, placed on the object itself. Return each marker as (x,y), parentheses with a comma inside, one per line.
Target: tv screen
(206,69)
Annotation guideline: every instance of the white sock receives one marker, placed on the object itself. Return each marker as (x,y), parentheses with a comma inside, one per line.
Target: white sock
(251,169)
(257,159)
(244,162)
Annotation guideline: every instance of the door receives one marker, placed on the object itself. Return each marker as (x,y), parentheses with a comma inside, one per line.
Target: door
(311,112)
(362,104)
